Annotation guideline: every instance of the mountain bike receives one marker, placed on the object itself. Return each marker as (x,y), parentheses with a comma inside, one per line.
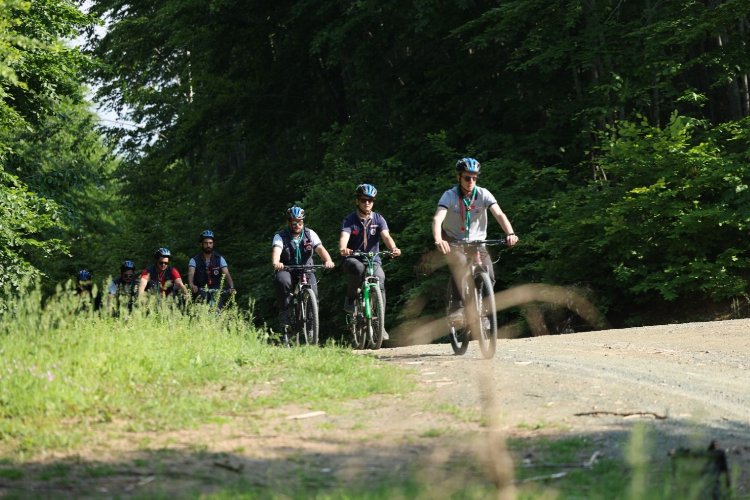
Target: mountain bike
(367,322)
(480,315)
(213,297)
(303,307)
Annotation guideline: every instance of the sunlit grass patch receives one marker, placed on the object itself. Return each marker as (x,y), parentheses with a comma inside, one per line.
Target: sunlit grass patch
(64,372)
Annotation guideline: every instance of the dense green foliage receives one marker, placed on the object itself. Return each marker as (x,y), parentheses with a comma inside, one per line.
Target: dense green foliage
(613,133)
(55,201)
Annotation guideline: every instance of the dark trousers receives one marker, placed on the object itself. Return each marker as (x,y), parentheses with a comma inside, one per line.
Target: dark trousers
(284,282)
(458,261)
(355,272)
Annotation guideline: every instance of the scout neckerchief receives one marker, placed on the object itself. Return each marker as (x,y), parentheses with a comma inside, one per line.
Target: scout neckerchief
(297,244)
(467,203)
(366,223)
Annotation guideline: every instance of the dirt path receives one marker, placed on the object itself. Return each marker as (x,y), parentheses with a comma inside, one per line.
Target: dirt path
(690,384)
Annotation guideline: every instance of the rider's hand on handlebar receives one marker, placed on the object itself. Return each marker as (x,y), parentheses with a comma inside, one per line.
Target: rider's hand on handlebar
(329,264)
(345,252)
(511,239)
(277,266)
(443,246)
(396,251)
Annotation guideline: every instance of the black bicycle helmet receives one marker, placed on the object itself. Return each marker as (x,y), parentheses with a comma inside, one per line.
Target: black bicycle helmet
(468,165)
(367,190)
(295,212)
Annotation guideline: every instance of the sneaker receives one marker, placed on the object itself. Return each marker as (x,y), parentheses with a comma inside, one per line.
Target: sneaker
(349,305)
(385,335)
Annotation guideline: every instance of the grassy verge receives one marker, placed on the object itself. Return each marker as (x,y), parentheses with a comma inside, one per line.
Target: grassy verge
(64,370)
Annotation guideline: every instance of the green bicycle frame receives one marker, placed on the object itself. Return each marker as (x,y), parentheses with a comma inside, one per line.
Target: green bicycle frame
(370,257)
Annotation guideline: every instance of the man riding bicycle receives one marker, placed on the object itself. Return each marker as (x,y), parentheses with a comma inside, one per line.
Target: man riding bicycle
(160,277)
(362,230)
(123,289)
(462,215)
(208,270)
(294,246)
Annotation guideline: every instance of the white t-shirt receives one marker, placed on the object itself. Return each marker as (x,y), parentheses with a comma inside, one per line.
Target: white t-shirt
(454,225)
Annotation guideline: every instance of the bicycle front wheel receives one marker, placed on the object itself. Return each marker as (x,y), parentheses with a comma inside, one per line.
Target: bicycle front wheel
(309,318)
(358,326)
(486,327)
(376,322)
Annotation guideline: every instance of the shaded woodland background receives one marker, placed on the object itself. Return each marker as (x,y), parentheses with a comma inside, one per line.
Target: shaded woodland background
(614,134)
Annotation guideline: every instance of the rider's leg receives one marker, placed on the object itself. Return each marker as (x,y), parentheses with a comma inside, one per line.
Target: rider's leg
(355,270)
(378,271)
(282,282)
(313,281)
(457,263)
(487,262)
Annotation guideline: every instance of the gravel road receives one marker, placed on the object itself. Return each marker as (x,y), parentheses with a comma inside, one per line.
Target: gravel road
(689,382)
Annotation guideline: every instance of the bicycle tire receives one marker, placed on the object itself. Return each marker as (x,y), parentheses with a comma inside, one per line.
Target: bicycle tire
(458,335)
(484,301)
(310,322)
(359,333)
(376,323)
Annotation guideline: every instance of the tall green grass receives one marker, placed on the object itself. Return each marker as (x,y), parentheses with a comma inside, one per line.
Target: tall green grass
(65,368)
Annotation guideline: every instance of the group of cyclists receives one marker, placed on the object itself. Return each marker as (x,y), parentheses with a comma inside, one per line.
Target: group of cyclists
(208,278)
(461,215)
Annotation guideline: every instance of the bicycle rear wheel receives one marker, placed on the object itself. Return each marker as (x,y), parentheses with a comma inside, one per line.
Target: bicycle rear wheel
(486,321)
(458,334)
(310,323)
(376,323)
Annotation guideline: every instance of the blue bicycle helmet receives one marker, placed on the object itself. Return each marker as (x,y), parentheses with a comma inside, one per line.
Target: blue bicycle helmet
(84,275)
(206,234)
(367,190)
(468,165)
(162,252)
(295,212)
(127,264)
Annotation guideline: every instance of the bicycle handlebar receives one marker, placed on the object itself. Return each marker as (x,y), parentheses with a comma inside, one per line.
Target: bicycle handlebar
(464,243)
(311,267)
(359,253)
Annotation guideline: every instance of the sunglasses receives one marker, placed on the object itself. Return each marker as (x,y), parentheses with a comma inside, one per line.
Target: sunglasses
(163,262)
(470,178)
(366,200)
(128,275)
(296,222)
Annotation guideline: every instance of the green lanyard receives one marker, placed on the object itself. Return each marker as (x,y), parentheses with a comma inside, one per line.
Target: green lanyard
(297,243)
(467,206)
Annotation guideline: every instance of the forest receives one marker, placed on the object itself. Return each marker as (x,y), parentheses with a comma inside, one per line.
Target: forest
(613,133)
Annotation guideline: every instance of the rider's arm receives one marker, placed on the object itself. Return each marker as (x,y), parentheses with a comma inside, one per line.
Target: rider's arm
(437,230)
(323,254)
(142,285)
(388,240)
(505,224)
(191,276)
(227,277)
(276,258)
(343,242)
(177,280)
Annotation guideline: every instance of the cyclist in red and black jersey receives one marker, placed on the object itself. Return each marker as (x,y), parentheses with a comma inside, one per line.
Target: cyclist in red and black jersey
(161,276)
